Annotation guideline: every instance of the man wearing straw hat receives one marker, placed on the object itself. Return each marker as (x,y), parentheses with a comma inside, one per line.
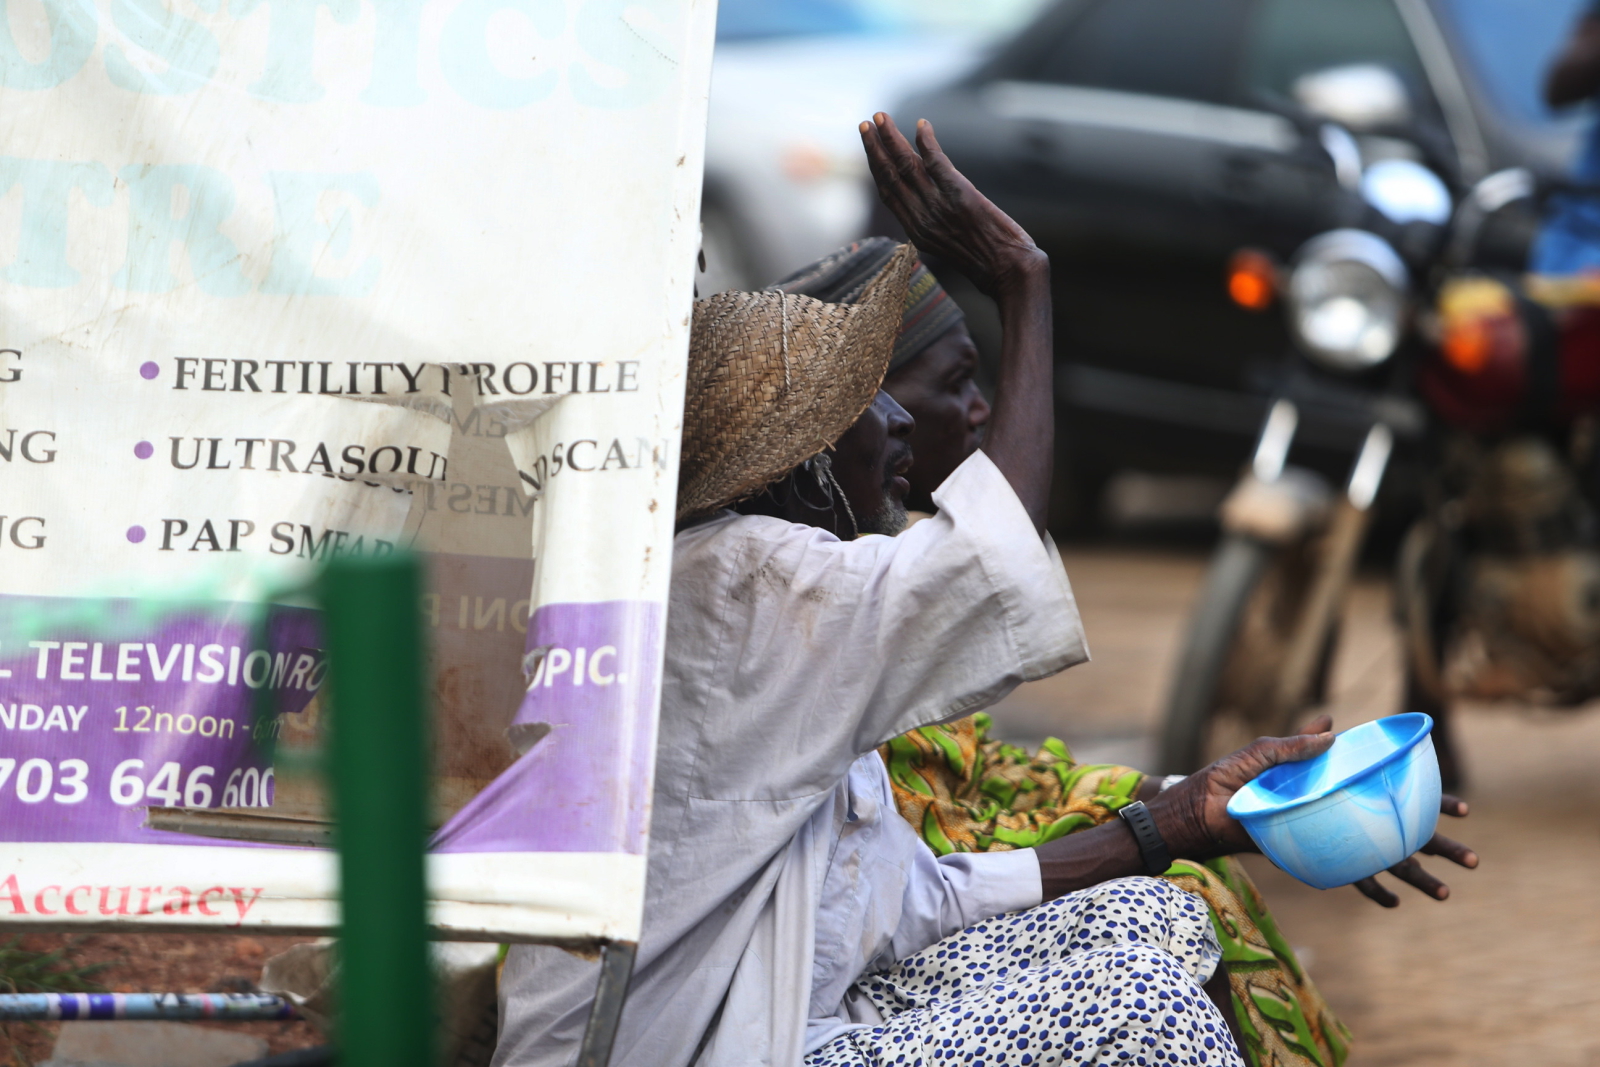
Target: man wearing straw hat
(791,915)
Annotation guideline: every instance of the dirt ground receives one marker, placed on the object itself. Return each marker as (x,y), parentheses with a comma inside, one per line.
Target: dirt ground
(1507,971)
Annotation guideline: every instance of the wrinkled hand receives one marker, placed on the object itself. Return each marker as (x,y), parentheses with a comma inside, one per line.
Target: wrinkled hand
(1196,809)
(1193,815)
(942,212)
(1410,871)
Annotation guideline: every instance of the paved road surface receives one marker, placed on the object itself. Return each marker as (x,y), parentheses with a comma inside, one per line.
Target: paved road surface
(1505,972)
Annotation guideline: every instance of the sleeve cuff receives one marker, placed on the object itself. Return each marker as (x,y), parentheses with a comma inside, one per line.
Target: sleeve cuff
(1042,612)
(1002,882)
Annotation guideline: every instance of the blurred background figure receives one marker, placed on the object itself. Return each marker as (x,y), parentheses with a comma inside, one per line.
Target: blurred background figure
(1570,240)
(785,182)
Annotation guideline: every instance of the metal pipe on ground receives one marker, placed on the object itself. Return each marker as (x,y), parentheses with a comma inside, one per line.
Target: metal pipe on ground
(212,1007)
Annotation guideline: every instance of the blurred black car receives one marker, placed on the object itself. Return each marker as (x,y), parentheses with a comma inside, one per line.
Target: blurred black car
(1143,142)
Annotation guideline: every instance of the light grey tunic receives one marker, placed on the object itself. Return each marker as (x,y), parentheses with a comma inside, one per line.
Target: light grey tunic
(789,655)
(886,897)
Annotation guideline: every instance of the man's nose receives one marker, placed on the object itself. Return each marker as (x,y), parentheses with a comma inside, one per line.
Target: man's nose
(899,419)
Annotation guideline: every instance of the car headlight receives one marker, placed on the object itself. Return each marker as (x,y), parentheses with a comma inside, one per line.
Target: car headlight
(1347,299)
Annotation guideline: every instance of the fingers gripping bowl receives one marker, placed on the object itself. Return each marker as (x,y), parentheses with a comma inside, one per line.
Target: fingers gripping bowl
(1362,806)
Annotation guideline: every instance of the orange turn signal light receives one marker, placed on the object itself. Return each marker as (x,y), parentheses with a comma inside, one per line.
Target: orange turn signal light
(1467,345)
(1477,318)
(1252,279)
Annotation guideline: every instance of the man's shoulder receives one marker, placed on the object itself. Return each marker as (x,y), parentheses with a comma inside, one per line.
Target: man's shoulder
(739,555)
(727,530)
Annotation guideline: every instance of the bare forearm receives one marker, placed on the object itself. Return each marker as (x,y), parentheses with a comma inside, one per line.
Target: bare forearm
(1088,858)
(1021,433)
(1109,850)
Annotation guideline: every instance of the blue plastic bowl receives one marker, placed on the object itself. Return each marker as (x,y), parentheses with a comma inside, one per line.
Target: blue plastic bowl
(1365,804)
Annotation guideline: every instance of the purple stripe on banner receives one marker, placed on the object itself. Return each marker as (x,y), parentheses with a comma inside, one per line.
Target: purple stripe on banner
(106,705)
(589,714)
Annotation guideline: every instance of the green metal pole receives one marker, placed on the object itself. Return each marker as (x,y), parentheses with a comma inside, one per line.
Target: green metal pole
(379,776)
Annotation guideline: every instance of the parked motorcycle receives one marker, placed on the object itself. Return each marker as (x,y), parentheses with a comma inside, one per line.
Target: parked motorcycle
(1406,339)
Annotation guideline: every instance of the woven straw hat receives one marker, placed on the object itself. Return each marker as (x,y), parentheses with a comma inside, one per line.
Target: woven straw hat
(774,379)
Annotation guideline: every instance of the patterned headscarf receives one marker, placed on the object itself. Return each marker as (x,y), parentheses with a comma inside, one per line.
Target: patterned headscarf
(841,277)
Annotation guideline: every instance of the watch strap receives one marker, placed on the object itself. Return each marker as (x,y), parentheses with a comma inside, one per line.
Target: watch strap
(1151,846)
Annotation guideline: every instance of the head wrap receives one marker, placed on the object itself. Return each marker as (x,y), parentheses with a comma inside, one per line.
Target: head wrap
(841,278)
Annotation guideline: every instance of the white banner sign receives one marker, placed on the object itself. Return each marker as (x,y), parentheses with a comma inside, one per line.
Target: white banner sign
(286,280)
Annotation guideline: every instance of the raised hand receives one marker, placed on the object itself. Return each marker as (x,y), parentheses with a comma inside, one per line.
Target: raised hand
(945,216)
(942,212)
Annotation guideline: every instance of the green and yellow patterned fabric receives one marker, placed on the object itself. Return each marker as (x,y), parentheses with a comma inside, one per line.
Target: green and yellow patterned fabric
(965,792)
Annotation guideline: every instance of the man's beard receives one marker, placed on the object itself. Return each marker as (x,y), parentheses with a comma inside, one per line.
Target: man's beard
(889,518)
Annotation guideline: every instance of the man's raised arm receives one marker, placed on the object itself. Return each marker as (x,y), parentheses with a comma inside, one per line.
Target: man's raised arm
(946,216)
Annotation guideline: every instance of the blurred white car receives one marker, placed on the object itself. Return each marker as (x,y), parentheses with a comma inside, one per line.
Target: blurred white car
(785,179)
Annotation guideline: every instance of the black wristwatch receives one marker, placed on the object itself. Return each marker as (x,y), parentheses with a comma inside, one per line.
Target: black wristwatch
(1143,825)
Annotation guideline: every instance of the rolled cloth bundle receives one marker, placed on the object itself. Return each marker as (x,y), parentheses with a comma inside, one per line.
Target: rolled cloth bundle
(842,277)
(774,378)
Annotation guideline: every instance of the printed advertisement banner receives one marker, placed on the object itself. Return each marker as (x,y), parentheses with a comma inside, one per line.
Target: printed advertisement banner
(283,283)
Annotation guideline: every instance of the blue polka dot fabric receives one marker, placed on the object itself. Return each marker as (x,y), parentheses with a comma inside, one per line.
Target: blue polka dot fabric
(1107,975)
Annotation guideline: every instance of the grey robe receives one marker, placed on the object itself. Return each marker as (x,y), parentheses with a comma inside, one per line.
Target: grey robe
(790,654)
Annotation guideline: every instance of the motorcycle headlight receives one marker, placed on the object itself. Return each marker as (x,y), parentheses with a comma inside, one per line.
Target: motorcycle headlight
(1347,299)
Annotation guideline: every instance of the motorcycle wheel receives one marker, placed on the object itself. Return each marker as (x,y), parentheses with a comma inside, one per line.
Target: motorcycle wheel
(1224,693)
(1423,576)
(1234,576)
